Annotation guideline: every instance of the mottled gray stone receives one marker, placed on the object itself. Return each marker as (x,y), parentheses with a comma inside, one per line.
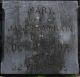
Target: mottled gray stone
(40,37)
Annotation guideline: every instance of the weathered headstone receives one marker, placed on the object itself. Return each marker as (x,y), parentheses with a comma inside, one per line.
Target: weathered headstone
(40,37)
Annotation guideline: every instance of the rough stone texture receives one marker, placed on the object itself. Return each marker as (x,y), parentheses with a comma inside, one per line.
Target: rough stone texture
(40,37)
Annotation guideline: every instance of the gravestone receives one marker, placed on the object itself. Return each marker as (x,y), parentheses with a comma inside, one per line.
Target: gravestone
(40,37)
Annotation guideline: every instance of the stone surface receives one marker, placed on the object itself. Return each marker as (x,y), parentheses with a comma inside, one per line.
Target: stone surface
(40,37)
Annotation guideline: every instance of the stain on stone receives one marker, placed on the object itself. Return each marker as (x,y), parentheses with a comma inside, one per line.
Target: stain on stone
(52,62)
